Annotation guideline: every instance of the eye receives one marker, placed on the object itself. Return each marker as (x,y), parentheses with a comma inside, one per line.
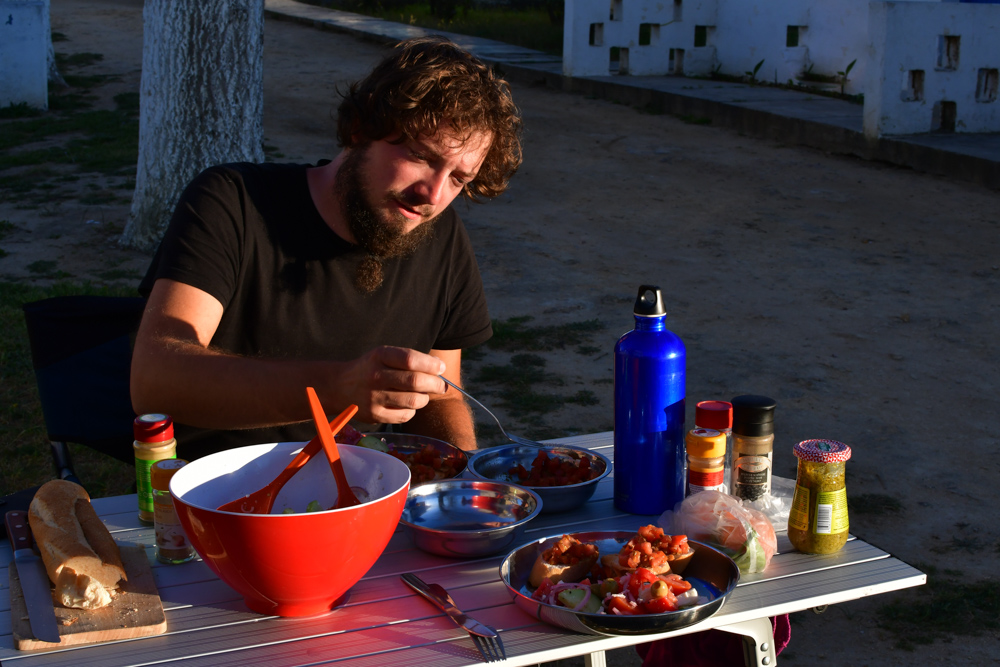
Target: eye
(417,156)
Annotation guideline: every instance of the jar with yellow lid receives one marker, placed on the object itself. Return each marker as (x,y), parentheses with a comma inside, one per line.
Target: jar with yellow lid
(818,521)
(706,458)
(172,544)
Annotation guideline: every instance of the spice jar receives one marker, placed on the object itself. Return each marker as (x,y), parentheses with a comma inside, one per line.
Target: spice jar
(718,415)
(753,444)
(817,521)
(706,458)
(172,544)
(154,441)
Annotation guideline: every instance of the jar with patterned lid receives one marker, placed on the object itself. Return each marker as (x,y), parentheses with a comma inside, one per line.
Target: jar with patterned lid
(818,522)
(172,544)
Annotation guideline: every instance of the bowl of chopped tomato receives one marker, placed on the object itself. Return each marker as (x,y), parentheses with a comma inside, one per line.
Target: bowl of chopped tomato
(429,459)
(565,477)
(614,602)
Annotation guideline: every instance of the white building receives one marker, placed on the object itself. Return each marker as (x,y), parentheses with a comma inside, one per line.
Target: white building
(922,65)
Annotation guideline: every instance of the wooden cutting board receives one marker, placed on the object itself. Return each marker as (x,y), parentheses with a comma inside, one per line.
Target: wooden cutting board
(136,611)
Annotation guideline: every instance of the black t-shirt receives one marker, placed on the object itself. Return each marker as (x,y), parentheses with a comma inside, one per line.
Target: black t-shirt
(251,236)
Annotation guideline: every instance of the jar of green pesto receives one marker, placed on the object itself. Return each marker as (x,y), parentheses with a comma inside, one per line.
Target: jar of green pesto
(817,522)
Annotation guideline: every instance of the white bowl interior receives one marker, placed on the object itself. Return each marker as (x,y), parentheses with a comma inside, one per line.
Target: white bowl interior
(224,476)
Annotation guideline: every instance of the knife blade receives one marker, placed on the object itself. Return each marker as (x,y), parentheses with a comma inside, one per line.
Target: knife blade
(437,595)
(34,580)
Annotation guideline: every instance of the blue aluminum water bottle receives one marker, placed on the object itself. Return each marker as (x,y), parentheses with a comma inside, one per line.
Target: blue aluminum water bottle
(649,411)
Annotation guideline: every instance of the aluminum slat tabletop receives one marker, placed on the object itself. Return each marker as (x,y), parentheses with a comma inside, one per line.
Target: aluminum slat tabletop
(384,623)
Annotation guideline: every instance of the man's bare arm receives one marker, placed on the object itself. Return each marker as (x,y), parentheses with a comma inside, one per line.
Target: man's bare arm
(447,417)
(174,370)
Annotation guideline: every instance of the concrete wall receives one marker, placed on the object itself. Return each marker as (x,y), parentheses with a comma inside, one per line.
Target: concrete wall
(24,44)
(932,67)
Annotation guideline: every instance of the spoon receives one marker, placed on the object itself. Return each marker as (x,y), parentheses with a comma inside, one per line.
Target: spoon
(345,497)
(513,438)
(262,500)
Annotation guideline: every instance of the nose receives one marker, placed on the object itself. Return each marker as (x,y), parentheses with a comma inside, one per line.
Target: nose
(432,187)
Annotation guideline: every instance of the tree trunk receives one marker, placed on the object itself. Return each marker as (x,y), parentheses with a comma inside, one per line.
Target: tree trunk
(202,102)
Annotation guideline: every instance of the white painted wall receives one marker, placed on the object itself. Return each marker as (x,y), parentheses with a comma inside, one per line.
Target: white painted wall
(24,44)
(904,37)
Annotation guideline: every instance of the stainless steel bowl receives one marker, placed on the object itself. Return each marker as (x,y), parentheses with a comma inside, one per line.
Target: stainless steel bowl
(407,443)
(711,572)
(495,463)
(466,518)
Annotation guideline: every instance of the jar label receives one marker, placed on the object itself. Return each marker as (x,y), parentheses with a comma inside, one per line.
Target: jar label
(751,477)
(705,479)
(798,515)
(831,513)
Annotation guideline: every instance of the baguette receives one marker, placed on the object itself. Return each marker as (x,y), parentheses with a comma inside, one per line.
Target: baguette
(80,556)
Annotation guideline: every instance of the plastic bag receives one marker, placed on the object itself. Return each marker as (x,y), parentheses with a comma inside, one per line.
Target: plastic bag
(723,521)
(777,504)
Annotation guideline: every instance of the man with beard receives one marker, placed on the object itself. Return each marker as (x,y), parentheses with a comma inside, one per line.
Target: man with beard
(354,276)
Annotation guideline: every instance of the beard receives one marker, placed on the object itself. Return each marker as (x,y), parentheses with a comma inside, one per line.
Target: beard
(381,236)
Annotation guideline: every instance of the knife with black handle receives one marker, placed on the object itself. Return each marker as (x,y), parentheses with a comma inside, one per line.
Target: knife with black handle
(34,580)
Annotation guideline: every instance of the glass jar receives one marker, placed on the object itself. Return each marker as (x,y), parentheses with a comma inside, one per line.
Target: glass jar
(818,521)
(172,544)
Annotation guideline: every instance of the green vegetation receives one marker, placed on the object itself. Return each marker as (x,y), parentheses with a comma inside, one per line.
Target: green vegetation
(945,607)
(26,460)
(534,25)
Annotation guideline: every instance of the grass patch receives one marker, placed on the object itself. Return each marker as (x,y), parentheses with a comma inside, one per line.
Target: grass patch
(25,460)
(945,607)
(19,110)
(514,334)
(538,27)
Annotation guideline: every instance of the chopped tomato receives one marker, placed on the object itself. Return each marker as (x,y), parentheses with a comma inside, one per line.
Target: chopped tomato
(641,579)
(660,605)
(622,606)
(553,471)
(542,590)
(677,585)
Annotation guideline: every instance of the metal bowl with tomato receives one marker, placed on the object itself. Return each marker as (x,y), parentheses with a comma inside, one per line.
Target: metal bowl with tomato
(506,463)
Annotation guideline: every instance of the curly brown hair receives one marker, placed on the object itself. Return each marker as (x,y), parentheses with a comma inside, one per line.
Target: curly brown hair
(429,82)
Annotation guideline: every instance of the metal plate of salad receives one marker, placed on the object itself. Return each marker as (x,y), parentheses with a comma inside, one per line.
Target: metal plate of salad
(614,600)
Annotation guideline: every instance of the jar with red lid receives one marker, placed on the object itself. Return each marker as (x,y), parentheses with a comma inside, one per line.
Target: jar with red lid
(818,521)
(154,441)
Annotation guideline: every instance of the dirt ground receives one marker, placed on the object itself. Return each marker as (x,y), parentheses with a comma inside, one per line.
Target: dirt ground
(862,297)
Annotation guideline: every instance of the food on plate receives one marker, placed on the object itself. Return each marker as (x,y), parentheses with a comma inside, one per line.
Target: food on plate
(636,580)
(632,593)
(652,549)
(80,556)
(428,464)
(554,471)
(568,560)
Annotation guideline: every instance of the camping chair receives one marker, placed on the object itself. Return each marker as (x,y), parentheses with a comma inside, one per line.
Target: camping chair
(81,350)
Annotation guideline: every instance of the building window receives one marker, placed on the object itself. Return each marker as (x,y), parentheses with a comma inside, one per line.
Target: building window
(792,36)
(948,52)
(986,84)
(649,33)
(700,35)
(675,64)
(677,10)
(913,86)
(616,10)
(944,116)
(597,34)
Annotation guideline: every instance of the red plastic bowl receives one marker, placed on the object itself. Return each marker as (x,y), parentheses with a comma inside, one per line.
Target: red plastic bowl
(297,564)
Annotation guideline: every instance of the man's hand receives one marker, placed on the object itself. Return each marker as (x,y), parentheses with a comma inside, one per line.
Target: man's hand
(389,384)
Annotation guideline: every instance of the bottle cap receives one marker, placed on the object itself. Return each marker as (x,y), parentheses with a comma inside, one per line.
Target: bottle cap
(714,414)
(649,303)
(753,416)
(153,427)
(161,472)
(822,451)
(705,443)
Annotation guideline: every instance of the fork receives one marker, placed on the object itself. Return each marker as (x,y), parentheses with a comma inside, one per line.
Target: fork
(487,640)
(513,438)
